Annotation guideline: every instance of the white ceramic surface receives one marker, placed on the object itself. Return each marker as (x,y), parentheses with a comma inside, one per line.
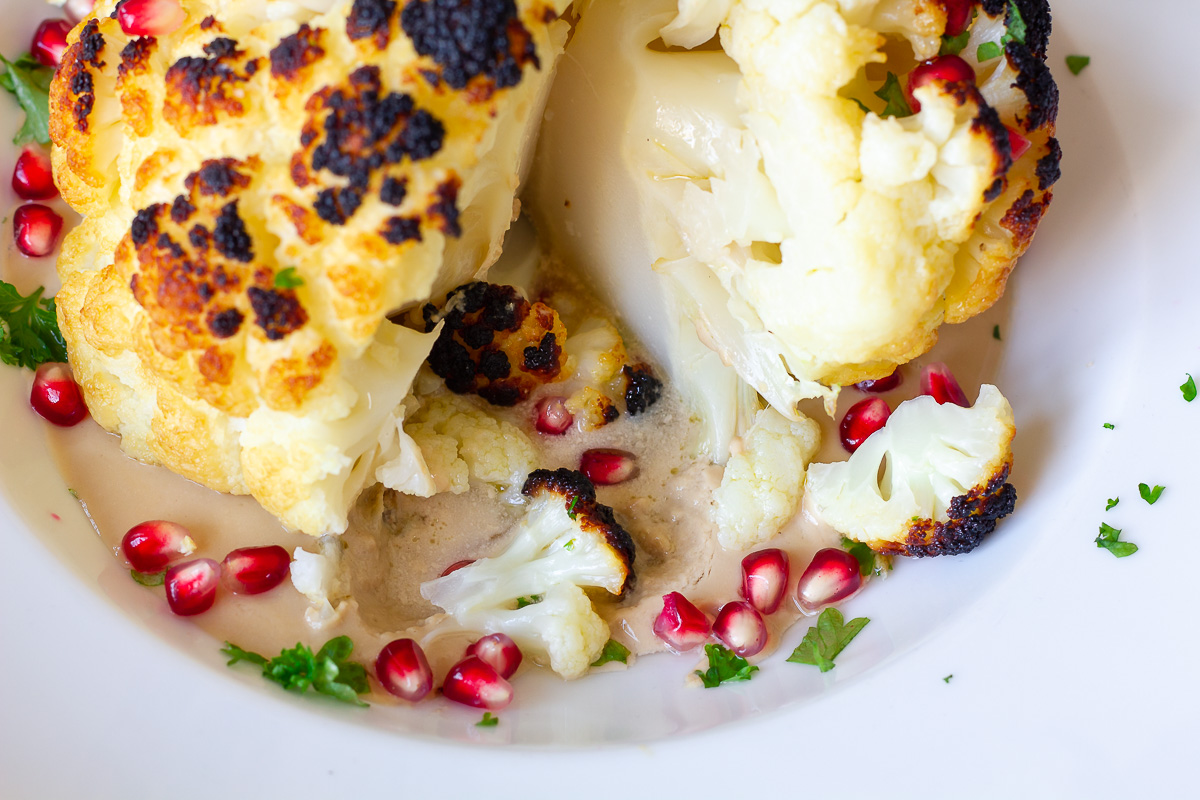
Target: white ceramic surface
(1074,672)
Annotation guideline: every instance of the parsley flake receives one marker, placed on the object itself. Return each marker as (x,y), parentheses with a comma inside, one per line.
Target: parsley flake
(1015,24)
(1110,426)
(1077,63)
(1150,495)
(893,94)
(149,578)
(288,279)
(860,104)
(569,545)
(826,639)
(1112,503)
(571,508)
(533,599)
(29,334)
(297,669)
(996,333)
(613,651)
(724,667)
(1189,388)
(947,678)
(29,82)
(863,554)
(953,45)
(1110,540)
(489,720)
(987,51)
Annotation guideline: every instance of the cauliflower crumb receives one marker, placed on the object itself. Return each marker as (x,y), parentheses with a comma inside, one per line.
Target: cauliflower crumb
(764,479)
(317,577)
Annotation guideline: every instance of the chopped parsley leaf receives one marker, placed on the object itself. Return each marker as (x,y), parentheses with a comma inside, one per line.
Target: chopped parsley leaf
(298,669)
(570,545)
(1077,63)
(533,599)
(1015,24)
(825,640)
(489,721)
(571,508)
(29,334)
(724,667)
(1110,540)
(1110,426)
(996,333)
(1150,495)
(947,678)
(1189,388)
(862,553)
(613,651)
(288,279)
(149,578)
(893,94)
(953,45)
(29,82)
(1112,503)
(860,104)
(987,51)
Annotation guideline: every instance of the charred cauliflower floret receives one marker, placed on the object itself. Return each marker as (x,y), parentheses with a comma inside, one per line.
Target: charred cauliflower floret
(261,188)
(495,343)
(932,481)
(533,591)
(597,357)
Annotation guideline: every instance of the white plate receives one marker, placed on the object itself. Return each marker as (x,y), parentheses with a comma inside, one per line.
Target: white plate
(1073,671)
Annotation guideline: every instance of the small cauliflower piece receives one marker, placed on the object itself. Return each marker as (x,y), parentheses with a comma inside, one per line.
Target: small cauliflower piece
(565,541)
(461,443)
(932,481)
(764,479)
(317,576)
(596,355)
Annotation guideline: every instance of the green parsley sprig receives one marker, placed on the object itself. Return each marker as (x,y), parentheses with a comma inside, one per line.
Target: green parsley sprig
(298,669)
(1077,63)
(724,667)
(29,334)
(29,82)
(489,720)
(1189,388)
(1150,495)
(1110,540)
(825,640)
(892,93)
(1112,503)
(613,651)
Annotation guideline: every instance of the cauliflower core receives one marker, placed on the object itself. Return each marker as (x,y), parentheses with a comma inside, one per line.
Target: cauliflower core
(261,188)
(932,481)
(533,590)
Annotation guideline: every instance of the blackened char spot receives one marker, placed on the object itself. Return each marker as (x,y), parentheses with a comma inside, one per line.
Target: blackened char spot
(335,206)
(468,38)
(277,313)
(165,242)
(221,47)
(217,177)
(91,44)
(181,210)
(478,336)
(371,18)
(642,388)
(145,224)
(295,52)
(224,324)
(207,22)
(1048,166)
(501,394)
(198,236)
(994,191)
(452,362)
(398,230)
(445,207)
(544,357)
(494,365)
(1035,80)
(135,55)
(230,236)
(393,191)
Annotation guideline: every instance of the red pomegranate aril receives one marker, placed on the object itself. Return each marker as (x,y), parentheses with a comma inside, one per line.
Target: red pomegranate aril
(473,682)
(499,652)
(150,546)
(150,17)
(404,671)
(832,576)
(938,382)
(553,417)
(254,570)
(881,385)
(680,624)
(192,586)
(605,467)
(456,566)
(33,177)
(55,395)
(78,9)
(944,69)
(49,42)
(958,15)
(765,578)
(35,229)
(741,628)
(1017,143)
(864,418)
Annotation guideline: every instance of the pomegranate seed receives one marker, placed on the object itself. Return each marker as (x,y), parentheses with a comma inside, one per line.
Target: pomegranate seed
(192,586)
(403,670)
(1017,143)
(553,417)
(741,628)
(33,177)
(680,624)
(939,383)
(499,652)
(881,385)
(150,546)
(473,682)
(150,17)
(607,467)
(78,9)
(941,69)
(55,395)
(764,579)
(456,566)
(49,41)
(832,576)
(254,570)
(958,15)
(864,418)
(35,229)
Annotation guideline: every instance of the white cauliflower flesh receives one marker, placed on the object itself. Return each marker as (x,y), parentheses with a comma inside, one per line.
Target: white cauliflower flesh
(932,481)
(764,479)
(317,576)
(806,232)
(532,591)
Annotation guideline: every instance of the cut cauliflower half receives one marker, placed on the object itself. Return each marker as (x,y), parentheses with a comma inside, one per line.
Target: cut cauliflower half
(932,481)
(533,590)
(764,479)
(261,189)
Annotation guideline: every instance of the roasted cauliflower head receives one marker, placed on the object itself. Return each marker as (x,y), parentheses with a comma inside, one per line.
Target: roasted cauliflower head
(261,188)
(809,226)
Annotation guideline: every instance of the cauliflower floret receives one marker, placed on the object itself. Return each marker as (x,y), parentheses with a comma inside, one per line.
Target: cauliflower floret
(596,356)
(461,443)
(764,479)
(932,481)
(565,541)
(317,576)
